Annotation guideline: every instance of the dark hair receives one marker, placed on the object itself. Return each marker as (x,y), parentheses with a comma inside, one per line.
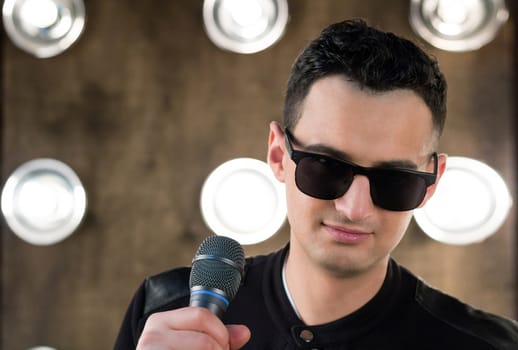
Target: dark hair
(371,58)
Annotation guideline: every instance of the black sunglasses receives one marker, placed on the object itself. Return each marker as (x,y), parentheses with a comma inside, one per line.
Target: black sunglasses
(324,177)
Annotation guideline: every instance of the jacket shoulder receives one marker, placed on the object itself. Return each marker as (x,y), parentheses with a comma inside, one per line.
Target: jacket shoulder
(170,289)
(497,331)
(166,288)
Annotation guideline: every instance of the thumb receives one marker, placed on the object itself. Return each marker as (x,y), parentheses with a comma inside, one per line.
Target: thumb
(239,336)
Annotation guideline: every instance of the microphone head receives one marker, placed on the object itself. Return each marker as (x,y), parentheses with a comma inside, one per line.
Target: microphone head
(218,264)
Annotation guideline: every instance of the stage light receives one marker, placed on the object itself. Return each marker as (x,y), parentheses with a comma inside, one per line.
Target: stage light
(458,25)
(43,201)
(245,26)
(241,199)
(44,28)
(470,204)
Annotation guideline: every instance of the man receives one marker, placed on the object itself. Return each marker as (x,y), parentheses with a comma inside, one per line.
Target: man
(363,114)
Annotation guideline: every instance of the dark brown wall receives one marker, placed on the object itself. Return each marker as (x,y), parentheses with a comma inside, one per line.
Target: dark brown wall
(144,106)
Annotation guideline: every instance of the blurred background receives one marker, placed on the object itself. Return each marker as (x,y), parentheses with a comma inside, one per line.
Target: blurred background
(144,106)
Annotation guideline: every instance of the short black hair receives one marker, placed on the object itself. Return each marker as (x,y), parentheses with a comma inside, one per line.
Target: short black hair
(373,59)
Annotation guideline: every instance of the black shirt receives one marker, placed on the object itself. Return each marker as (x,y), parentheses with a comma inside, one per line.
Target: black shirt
(406,313)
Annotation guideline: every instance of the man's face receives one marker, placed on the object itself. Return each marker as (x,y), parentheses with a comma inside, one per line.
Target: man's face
(350,234)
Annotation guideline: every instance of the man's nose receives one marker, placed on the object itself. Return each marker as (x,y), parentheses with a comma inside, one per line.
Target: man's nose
(356,204)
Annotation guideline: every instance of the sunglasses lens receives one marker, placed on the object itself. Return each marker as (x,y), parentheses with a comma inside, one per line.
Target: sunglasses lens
(322,178)
(397,190)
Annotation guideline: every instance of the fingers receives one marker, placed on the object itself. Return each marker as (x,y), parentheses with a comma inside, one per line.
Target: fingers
(187,328)
(239,335)
(173,340)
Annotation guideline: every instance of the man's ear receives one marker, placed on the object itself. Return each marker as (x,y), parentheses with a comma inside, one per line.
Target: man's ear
(276,150)
(441,167)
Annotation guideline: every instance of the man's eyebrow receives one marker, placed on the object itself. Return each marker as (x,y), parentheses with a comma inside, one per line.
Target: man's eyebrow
(328,151)
(340,155)
(399,164)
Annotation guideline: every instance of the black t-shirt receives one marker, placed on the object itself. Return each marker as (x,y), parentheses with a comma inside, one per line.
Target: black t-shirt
(405,314)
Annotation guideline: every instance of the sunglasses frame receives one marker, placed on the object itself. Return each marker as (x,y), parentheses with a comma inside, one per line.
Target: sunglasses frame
(297,156)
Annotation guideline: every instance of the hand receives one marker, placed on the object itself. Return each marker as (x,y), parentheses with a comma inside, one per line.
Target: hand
(191,328)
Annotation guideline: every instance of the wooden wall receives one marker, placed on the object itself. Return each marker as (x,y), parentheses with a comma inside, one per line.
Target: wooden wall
(144,106)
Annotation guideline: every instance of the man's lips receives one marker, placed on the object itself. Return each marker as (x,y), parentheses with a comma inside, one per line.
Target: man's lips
(347,235)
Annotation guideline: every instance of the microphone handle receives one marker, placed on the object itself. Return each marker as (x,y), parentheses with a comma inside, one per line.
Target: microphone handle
(210,298)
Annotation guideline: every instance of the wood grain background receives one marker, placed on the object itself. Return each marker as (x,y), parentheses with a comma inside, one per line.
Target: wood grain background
(143,107)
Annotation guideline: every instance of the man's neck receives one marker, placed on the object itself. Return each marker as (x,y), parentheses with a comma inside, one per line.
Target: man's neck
(321,297)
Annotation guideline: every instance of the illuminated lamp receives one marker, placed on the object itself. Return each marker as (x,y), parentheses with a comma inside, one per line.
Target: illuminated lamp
(44,28)
(245,26)
(458,25)
(470,204)
(241,199)
(43,201)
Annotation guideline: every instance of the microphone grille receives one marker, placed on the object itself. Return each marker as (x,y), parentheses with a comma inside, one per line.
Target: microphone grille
(218,263)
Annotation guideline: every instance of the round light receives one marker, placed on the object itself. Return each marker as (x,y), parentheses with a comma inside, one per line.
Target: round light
(43,201)
(458,25)
(43,28)
(245,26)
(470,204)
(242,199)
(39,14)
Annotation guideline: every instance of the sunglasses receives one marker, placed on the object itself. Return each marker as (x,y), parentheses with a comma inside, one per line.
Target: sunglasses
(328,178)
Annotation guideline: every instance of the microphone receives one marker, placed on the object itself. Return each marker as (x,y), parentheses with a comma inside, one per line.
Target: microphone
(216,273)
